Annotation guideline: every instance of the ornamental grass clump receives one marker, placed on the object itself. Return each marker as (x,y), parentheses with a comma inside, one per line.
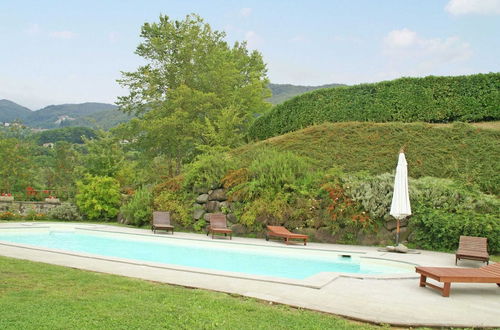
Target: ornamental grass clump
(139,210)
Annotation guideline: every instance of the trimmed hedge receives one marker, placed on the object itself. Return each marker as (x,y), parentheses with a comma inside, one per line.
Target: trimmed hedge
(430,99)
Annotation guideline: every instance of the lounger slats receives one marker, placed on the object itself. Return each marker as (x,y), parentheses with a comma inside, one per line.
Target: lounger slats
(280,231)
(218,225)
(161,220)
(447,275)
(472,248)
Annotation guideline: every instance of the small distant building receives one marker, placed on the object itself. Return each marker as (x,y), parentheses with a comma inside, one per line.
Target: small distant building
(48,145)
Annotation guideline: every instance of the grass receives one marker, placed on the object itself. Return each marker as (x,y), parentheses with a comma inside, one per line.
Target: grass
(40,296)
(460,151)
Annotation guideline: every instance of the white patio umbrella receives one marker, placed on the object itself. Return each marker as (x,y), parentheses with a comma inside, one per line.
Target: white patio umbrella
(400,206)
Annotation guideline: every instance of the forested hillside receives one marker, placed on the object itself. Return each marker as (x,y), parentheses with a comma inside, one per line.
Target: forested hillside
(54,116)
(10,111)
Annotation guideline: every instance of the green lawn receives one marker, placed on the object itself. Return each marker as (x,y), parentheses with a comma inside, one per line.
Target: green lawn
(40,296)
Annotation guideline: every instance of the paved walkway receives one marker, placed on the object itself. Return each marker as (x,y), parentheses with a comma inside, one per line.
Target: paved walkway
(396,301)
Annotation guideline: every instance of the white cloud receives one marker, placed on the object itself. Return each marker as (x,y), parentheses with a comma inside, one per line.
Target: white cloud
(245,12)
(298,38)
(62,35)
(113,36)
(253,39)
(400,38)
(406,49)
(33,29)
(482,7)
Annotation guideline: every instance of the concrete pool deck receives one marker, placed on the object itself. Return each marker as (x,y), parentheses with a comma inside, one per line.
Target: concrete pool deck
(397,300)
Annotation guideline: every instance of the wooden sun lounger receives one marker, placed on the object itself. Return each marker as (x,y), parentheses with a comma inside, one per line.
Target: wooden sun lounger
(218,225)
(280,231)
(472,248)
(447,275)
(161,220)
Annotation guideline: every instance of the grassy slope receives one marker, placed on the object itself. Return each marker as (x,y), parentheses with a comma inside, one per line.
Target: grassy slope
(459,151)
(40,296)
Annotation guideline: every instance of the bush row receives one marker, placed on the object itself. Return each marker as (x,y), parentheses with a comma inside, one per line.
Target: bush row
(430,99)
(283,188)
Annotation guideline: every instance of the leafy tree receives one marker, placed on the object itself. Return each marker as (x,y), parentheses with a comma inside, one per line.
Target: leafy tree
(17,166)
(98,197)
(64,162)
(103,156)
(68,134)
(192,78)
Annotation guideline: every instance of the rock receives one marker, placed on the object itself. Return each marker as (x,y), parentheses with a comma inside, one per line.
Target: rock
(217,195)
(238,229)
(206,216)
(198,213)
(232,218)
(390,248)
(202,199)
(225,204)
(212,206)
(324,234)
(392,224)
(401,248)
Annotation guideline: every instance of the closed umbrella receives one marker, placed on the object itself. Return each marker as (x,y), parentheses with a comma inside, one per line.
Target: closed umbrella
(400,206)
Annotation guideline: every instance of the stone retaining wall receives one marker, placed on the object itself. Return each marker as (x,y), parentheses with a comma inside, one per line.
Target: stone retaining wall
(23,207)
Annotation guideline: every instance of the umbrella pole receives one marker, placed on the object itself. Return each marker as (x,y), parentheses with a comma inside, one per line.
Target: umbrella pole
(397,232)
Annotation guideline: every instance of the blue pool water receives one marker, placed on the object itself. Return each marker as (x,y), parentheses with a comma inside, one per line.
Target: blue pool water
(224,257)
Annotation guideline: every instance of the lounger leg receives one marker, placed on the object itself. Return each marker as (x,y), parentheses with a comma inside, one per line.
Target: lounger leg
(305,241)
(446,289)
(231,236)
(423,279)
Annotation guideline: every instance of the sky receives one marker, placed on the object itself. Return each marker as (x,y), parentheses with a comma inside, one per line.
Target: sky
(55,52)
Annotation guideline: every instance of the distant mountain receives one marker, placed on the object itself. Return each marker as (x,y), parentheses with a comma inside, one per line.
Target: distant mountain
(105,116)
(283,92)
(10,111)
(55,116)
(102,119)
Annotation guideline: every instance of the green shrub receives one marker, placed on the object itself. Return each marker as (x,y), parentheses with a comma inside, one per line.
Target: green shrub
(207,171)
(98,197)
(65,211)
(33,215)
(429,99)
(440,230)
(138,211)
(273,171)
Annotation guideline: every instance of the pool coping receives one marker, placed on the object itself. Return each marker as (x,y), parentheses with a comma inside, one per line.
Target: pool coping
(399,302)
(316,281)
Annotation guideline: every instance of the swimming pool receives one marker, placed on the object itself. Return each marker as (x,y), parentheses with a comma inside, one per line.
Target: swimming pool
(211,255)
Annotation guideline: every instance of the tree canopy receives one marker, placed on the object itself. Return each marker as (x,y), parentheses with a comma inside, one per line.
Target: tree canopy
(194,90)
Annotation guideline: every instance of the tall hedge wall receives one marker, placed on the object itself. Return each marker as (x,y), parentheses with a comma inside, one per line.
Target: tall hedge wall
(430,99)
